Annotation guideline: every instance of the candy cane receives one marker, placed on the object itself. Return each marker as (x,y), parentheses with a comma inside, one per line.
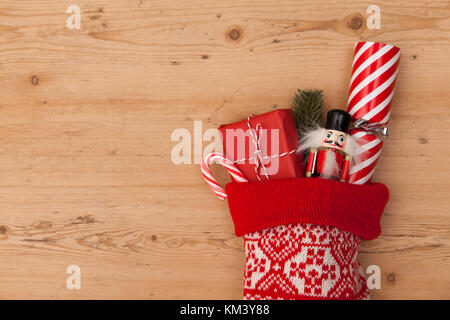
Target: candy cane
(228,164)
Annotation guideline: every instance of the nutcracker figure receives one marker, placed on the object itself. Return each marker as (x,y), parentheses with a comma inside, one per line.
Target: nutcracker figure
(330,149)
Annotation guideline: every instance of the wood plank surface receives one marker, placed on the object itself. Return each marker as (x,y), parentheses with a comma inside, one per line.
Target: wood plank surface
(86,117)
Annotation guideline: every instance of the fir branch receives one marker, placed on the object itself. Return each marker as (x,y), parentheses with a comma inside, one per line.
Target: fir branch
(307,107)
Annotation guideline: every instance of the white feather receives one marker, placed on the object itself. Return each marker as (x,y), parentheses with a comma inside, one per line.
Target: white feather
(354,149)
(330,166)
(311,139)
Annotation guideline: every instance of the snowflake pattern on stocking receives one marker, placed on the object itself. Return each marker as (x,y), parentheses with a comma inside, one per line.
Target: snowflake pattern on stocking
(303,261)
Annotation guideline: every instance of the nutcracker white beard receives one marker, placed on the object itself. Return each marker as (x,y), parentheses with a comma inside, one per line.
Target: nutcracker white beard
(330,165)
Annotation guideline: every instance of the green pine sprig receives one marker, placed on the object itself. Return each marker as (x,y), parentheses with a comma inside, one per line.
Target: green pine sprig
(307,107)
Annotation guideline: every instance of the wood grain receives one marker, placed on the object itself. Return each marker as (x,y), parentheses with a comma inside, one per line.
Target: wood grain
(86,116)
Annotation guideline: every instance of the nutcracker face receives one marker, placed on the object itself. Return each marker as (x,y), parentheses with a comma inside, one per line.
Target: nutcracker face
(334,139)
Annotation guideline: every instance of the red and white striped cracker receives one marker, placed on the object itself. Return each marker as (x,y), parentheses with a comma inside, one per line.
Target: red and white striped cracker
(220,158)
(375,69)
(374,72)
(362,171)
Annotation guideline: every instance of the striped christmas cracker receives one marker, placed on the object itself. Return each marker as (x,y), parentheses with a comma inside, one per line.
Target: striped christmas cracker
(374,72)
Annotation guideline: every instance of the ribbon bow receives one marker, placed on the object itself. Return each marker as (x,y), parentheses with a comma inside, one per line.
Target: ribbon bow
(256,136)
(256,139)
(374,128)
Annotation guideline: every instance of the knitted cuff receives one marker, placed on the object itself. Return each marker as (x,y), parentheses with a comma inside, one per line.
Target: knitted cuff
(354,208)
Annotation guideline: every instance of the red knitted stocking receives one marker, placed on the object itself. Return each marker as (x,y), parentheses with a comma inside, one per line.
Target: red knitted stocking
(302,236)
(303,261)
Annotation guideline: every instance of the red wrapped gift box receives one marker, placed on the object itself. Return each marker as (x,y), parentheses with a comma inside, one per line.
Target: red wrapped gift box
(263,146)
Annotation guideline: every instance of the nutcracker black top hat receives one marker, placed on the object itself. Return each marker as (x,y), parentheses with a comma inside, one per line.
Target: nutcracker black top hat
(338,120)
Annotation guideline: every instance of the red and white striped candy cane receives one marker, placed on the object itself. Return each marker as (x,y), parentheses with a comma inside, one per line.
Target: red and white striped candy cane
(374,72)
(228,164)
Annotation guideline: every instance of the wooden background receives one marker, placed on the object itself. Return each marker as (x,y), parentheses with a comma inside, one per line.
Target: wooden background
(86,118)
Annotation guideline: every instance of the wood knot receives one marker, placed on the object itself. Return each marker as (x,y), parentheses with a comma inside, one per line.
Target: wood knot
(423,140)
(42,224)
(3,229)
(234,34)
(391,278)
(85,219)
(34,80)
(174,243)
(205,56)
(154,237)
(355,22)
